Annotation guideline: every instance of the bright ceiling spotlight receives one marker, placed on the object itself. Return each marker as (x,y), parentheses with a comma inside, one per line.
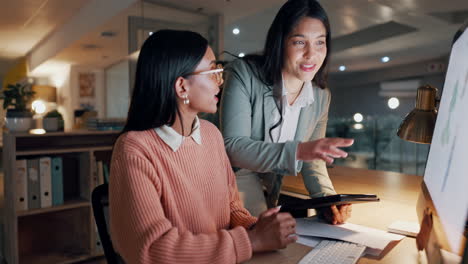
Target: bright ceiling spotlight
(393,103)
(358,117)
(385,59)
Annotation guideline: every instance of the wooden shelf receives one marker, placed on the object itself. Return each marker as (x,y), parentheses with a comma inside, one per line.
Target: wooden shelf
(64,233)
(67,205)
(60,151)
(58,258)
(66,133)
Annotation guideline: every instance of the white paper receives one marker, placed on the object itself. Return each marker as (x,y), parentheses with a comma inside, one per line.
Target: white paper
(370,237)
(308,240)
(404,228)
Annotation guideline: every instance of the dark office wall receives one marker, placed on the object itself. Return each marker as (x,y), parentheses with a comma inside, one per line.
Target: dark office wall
(359,92)
(346,101)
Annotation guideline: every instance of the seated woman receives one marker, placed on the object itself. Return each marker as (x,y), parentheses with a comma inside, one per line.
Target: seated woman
(172,193)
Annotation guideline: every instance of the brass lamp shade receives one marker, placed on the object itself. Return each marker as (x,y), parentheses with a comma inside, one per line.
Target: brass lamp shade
(45,92)
(418,125)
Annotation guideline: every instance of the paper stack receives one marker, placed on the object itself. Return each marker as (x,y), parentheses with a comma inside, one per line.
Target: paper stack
(310,230)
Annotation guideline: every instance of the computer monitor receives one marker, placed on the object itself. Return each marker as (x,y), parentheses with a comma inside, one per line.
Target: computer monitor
(445,185)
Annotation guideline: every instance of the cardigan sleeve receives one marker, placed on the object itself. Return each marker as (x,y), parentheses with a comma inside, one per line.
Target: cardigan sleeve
(141,232)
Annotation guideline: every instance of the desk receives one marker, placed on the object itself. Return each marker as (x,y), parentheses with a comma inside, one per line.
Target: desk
(398,195)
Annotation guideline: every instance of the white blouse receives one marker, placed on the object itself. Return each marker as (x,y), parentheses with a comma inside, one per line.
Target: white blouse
(287,129)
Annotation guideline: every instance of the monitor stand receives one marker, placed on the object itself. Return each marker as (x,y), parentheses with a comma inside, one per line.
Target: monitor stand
(432,236)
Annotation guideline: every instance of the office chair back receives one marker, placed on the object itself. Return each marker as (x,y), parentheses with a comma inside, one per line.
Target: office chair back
(100,201)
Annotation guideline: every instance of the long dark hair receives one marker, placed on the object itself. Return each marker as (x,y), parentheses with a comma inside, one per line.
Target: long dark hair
(271,62)
(165,56)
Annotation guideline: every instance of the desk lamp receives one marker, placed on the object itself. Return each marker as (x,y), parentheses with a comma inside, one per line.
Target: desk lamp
(419,124)
(45,99)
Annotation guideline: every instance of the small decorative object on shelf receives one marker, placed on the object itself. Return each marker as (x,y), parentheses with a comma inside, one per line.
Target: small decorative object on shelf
(53,121)
(16,100)
(105,124)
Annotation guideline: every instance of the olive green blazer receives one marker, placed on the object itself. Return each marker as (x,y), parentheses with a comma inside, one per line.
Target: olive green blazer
(247,109)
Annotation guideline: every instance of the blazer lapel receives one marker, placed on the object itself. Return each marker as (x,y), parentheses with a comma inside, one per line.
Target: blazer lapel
(305,117)
(269,108)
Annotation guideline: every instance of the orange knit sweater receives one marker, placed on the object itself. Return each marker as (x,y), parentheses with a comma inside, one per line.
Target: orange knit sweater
(176,207)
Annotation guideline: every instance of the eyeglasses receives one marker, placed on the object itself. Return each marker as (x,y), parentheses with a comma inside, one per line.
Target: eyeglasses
(216,74)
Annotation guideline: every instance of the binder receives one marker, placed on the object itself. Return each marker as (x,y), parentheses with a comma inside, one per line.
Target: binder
(337,199)
(45,182)
(106,173)
(34,197)
(95,170)
(21,179)
(100,173)
(57,181)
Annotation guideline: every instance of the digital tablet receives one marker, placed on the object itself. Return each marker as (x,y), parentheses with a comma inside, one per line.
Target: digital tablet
(327,201)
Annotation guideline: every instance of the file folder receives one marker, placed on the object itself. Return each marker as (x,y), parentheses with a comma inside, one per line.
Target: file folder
(34,190)
(106,173)
(45,182)
(21,180)
(57,181)
(100,173)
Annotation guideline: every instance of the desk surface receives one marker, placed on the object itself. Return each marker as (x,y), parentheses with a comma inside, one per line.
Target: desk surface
(398,195)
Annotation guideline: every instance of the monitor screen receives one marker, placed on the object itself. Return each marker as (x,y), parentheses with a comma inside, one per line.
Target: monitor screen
(446,174)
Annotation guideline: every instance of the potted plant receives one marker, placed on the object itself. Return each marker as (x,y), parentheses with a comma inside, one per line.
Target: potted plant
(53,121)
(17,98)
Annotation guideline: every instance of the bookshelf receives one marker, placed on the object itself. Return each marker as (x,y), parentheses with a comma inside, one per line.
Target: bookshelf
(63,233)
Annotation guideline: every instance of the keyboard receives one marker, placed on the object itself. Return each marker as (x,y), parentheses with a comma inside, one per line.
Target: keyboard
(334,251)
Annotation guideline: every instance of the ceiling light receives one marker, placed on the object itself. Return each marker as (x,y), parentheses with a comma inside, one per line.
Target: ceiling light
(241,54)
(235,31)
(393,103)
(358,126)
(342,68)
(385,59)
(358,117)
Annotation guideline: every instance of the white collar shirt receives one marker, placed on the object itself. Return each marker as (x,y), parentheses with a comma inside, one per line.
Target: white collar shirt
(174,140)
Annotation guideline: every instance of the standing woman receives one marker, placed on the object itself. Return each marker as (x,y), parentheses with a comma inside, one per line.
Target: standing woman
(172,192)
(274,111)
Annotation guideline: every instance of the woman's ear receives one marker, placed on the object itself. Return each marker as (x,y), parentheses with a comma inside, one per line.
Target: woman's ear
(181,88)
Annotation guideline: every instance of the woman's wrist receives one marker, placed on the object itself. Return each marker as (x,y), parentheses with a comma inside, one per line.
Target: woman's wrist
(299,151)
(253,241)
